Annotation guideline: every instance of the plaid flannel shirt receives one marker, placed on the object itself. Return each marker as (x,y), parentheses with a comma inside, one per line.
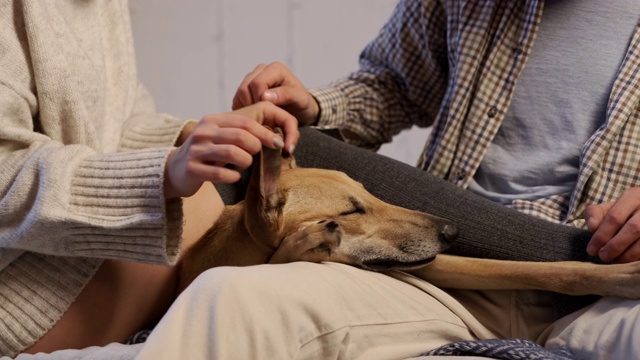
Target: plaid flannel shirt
(453,65)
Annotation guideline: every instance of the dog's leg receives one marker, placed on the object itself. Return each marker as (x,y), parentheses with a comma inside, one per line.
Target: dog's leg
(314,243)
(567,277)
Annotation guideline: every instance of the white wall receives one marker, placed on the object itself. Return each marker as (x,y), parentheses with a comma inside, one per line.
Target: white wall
(192,54)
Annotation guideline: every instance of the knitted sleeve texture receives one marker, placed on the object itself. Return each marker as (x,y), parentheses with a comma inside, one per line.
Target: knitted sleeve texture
(82,150)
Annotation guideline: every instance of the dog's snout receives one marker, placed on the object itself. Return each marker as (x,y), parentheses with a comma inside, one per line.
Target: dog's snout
(448,233)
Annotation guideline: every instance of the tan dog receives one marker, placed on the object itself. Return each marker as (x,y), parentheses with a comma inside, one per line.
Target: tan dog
(297,214)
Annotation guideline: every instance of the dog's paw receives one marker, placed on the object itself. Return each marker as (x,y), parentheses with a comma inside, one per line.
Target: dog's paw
(314,243)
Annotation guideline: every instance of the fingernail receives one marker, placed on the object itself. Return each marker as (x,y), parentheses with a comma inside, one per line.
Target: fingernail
(603,254)
(277,141)
(291,148)
(590,222)
(269,96)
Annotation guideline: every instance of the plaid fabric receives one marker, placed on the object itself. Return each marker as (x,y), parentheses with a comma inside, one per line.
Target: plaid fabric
(453,65)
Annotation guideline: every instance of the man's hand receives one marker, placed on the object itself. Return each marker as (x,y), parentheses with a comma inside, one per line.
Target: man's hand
(277,84)
(221,139)
(616,228)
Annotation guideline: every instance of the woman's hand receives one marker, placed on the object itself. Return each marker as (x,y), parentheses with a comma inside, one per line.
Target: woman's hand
(221,139)
(277,84)
(616,228)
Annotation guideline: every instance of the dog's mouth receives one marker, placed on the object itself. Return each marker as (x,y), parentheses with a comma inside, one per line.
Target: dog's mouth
(381,265)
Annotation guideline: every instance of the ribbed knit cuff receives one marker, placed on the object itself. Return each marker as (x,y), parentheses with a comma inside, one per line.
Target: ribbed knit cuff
(163,132)
(333,106)
(118,206)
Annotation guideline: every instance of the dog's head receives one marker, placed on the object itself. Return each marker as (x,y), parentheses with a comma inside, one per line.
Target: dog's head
(324,215)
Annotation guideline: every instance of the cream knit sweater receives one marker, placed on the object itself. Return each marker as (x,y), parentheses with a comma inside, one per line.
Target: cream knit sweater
(81,159)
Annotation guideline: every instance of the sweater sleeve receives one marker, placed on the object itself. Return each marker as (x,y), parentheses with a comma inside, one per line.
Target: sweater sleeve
(401,81)
(82,150)
(71,200)
(146,128)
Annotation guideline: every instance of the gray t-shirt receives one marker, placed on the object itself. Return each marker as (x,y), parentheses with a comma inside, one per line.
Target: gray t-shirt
(559,101)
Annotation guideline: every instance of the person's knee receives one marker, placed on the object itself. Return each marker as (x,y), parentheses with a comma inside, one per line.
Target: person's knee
(275,285)
(234,283)
(246,299)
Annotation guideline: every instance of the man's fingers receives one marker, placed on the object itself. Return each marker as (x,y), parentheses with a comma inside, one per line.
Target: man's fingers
(631,254)
(272,76)
(281,96)
(244,96)
(621,245)
(594,214)
(605,242)
(254,84)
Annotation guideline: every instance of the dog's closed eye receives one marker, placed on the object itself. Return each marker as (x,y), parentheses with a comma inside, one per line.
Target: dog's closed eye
(357,207)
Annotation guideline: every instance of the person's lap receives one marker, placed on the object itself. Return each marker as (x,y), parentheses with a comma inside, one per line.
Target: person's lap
(418,317)
(303,297)
(316,310)
(304,310)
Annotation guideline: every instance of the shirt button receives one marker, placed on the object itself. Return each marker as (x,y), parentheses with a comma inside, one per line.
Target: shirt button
(461,174)
(334,110)
(517,50)
(493,111)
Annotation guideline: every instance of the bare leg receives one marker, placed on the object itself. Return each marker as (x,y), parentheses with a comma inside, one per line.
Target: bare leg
(124,297)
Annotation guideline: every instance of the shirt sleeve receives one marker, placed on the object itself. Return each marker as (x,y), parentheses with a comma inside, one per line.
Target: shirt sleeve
(401,81)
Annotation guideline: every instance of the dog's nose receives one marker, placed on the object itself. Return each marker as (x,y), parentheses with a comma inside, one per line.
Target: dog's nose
(448,233)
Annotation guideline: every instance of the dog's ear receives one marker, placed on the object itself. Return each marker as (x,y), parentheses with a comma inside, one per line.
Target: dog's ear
(264,199)
(287,161)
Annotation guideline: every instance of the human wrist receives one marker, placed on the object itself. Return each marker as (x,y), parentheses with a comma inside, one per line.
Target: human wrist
(331,106)
(314,114)
(168,189)
(185,132)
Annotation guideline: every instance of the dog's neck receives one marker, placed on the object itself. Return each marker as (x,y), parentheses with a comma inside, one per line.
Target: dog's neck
(226,243)
(231,231)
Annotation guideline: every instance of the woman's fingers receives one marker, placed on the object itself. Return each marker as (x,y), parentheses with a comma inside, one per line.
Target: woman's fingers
(268,114)
(222,139)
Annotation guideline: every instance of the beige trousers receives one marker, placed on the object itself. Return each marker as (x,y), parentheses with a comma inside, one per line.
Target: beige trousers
(333,311)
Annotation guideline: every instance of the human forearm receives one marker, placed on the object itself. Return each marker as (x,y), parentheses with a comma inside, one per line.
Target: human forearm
(367,115)
(73,200)
(91,206)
